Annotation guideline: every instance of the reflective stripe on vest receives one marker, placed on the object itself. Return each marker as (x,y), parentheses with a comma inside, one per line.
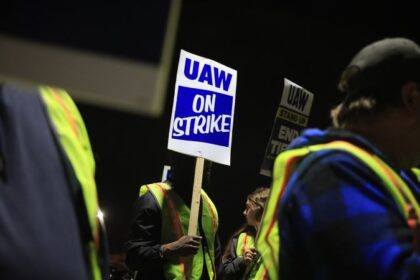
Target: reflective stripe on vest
(416,172)
(246,242)
(73,137)
(175,220)
(268,242)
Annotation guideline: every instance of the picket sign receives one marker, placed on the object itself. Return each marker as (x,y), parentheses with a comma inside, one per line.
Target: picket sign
(292,117)
(202,120)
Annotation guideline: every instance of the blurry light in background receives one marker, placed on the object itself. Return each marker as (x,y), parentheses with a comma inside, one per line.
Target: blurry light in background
(100,215)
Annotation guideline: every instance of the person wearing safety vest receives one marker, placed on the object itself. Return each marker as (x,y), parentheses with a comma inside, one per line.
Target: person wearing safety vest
(341,207)
(240,259)
(48,199)
(159,247)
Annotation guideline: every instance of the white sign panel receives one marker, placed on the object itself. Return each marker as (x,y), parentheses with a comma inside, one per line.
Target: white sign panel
(203,109)
(296,98)
(166,173)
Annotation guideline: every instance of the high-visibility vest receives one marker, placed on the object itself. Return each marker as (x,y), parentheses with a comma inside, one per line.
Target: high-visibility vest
(246,242)
(72,136)
(175,220)
(416,172)
(268,242)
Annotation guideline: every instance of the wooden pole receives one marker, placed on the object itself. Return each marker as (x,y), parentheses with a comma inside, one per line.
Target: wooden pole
(195,206)
(196,195)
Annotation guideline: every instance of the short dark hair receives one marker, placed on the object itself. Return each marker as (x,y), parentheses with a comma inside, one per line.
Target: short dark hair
(373,79)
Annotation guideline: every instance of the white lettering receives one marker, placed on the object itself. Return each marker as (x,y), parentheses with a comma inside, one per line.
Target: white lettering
(188,124)
(207,103)
(277,147)
(198,99)
(210,103)
(200,122)
(225,123)
(214,126)
(201,125)
(177,124)
(287,133)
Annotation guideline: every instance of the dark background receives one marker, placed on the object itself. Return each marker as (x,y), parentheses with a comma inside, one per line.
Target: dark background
(307,42)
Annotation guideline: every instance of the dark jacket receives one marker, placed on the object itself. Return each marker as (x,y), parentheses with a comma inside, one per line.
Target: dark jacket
(145,240)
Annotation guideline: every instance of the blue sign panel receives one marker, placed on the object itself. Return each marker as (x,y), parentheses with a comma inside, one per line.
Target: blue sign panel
(203,116)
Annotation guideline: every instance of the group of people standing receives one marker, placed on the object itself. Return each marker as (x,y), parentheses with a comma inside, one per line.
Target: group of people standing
(343,203)
(159,247)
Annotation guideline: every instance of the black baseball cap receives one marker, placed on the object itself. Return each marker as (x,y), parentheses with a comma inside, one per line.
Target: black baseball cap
(381,68)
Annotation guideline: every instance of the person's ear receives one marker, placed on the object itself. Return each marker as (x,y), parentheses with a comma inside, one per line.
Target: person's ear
(410,95)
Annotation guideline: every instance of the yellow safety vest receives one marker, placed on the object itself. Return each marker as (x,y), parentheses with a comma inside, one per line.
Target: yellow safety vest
(416,172)
(246,242)
(175,220)
(72,135)
(268,242)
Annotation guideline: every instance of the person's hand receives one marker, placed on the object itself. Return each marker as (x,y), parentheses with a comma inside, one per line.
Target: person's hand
(250,256)
(183,247)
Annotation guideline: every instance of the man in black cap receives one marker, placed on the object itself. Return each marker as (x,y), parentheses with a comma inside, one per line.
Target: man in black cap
(347,209)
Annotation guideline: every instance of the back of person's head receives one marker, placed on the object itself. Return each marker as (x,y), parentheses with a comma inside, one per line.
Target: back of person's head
(373,79)
(183,168)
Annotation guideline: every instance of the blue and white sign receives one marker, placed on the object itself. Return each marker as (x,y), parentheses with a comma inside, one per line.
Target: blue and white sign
(203,109)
